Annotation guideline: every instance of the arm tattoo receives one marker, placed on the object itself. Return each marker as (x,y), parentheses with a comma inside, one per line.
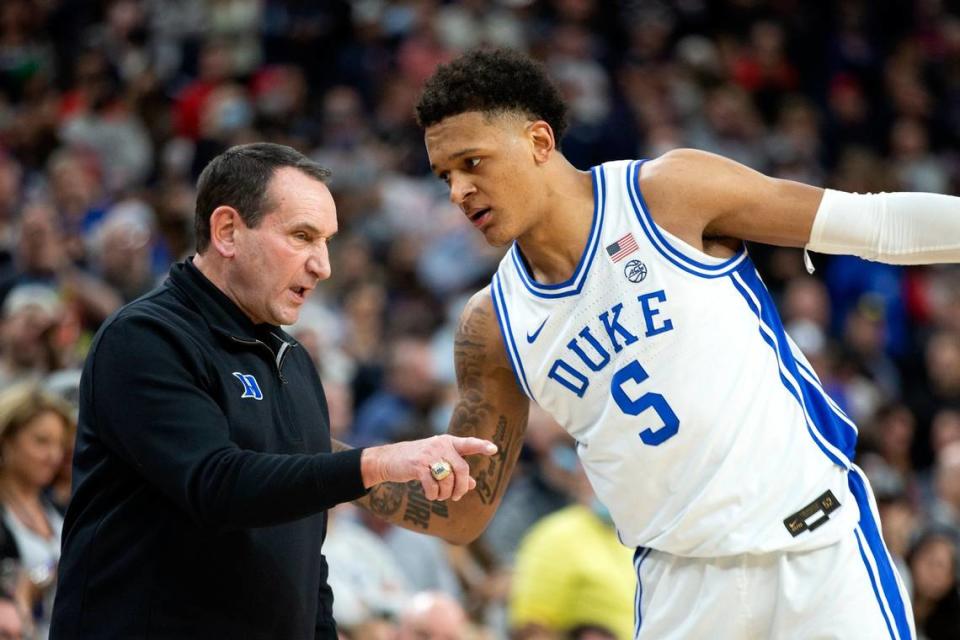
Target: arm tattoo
(469,357)
(473,408)
(405,502)
(490,478)
(419,509)
(386,499)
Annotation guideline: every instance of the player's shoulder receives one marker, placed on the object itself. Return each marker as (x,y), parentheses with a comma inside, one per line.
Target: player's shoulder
(478,317)
(679,165)
(685,189)
(479,329)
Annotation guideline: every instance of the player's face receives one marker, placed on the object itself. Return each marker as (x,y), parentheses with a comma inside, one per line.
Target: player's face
(284,257)
(489,164)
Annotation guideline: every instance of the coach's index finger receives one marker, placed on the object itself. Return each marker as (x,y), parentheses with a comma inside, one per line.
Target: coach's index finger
(472,446)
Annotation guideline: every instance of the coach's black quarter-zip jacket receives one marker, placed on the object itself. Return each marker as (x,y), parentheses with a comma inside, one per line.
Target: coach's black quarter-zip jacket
(201,475)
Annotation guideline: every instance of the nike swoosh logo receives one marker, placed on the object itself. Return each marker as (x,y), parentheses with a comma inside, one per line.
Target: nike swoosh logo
(533,336)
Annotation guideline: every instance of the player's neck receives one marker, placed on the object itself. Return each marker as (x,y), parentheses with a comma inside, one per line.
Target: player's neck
(554,245)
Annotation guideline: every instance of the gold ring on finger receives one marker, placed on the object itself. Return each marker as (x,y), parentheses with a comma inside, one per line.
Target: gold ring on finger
(440,470)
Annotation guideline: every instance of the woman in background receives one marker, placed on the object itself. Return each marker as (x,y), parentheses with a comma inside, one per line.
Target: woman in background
(35,428)
(936,598)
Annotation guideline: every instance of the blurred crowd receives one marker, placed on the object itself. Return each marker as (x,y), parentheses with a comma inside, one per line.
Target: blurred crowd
(109,109)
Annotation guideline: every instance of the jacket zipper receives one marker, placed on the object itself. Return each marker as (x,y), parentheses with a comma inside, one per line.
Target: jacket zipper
(278,364)
(277,360)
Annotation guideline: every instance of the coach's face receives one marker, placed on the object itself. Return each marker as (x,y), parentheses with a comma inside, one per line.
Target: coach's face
(279,262)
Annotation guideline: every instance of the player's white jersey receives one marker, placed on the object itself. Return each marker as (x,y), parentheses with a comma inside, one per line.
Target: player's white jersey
(699,422)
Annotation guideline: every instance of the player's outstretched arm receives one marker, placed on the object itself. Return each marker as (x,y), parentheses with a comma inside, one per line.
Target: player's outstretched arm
(491,407)
(695,194)
(699,196)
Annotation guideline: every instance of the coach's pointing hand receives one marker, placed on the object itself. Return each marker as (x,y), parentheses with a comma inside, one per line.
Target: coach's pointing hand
(424,460)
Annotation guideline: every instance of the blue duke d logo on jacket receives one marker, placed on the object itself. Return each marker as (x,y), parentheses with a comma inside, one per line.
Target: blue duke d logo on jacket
(250,387)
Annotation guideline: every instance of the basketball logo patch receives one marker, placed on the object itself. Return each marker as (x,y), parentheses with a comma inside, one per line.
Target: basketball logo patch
(635,270)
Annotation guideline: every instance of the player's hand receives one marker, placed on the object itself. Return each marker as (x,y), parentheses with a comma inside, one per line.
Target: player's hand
(405,461)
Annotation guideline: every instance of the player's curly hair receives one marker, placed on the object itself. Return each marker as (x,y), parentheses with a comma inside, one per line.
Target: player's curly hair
(492,81)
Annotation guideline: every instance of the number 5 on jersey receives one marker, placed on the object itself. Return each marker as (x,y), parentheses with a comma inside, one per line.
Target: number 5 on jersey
(632,375)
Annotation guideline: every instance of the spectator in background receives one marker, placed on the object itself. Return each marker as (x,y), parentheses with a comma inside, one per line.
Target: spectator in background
(898,520)
(214,69)
(549,483)
(122,249)
(78,196)
(40,258)
(401,409)
(12,626)
(105,124)
(572,570)
(865,333)
(945,510)
(891,437)
(373,628)
(35,334)
(11,177)
(590,632)
(431,615)
(34,429)
(942,357)
(944,428)
(423,560)
(365,576)
(936,599)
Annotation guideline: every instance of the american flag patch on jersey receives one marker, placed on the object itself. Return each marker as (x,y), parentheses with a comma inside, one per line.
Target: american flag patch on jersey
(622,248)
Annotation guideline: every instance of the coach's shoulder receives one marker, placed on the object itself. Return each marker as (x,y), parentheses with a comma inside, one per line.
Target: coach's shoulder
(156,321)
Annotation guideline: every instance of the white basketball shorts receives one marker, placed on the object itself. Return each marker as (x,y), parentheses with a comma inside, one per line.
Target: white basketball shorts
(846,591)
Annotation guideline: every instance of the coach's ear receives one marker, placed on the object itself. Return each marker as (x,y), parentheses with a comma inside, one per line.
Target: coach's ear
(224,222)
(541,135)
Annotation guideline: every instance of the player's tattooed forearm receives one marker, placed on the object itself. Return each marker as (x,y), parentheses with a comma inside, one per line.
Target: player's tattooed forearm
(389,499)
(419,510)
(493,472)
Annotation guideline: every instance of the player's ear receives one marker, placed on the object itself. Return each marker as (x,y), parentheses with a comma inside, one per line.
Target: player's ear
(224,222)
(542,139)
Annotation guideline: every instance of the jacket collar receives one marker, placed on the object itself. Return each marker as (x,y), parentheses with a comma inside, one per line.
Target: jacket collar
(220,312)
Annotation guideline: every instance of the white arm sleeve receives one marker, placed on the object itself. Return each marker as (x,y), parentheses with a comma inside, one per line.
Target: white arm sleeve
(896,228)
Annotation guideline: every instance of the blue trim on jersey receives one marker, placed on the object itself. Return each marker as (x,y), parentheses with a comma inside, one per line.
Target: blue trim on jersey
(873,583)
(884,582)
(503,319)
(789,383)
(574,285)
(835,436)
(663,245)
(638,557)
(811,377)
